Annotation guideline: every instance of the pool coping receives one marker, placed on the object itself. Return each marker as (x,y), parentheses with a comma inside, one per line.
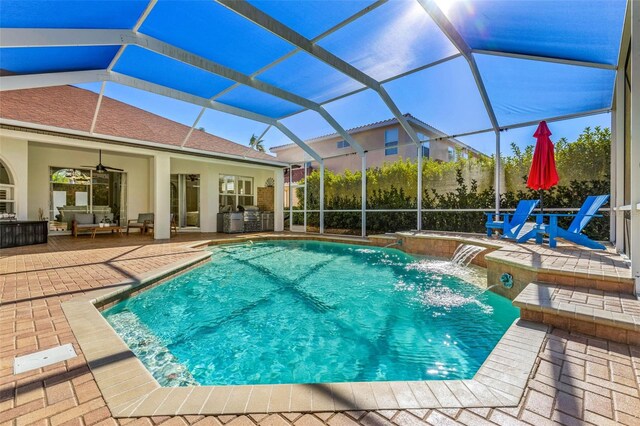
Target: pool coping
(130,390)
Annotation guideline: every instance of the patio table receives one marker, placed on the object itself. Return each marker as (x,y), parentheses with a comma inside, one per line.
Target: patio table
(96,229)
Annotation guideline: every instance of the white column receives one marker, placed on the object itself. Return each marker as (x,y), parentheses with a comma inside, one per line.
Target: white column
(364,195)
(497,173)
(278,208)
(209,199)
(306,185)
(161,195)
(419,191)
(635,143)
(321,198)
(290,196)
(617,163)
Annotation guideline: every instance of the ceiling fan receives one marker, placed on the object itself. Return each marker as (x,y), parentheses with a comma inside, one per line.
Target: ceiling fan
(100,168)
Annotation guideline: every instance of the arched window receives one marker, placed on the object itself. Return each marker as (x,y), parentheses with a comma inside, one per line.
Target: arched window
(7,190)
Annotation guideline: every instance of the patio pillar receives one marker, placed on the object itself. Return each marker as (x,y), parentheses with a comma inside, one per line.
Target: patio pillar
(161,195)
(290,196)
(635,144)
(617,163)
(497,172)
(363,196)
(419,191)
(278,208)
(306,185)
(321,198)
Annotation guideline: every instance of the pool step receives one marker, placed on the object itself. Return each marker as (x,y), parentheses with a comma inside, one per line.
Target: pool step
(608,315)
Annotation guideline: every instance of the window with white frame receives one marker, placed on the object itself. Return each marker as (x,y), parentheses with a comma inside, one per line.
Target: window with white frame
(7,191)
(391,142)
(342,144)
(425,143)
(451,154)
(236,191)
(426,146)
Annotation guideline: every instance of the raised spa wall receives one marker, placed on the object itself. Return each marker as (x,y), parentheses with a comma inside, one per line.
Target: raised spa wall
(497,262)
(446,245)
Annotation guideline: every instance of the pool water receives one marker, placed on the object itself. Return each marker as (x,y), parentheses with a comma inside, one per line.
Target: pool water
(313,312)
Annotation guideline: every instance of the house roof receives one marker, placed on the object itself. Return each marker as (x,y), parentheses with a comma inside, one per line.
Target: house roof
(410,118)
(72,108)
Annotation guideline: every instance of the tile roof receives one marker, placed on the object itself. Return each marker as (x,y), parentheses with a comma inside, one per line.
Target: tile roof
(69,107)
(368,126)
(382,123)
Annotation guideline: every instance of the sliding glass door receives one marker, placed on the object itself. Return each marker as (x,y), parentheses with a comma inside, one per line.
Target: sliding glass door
(75,191)
(185,200)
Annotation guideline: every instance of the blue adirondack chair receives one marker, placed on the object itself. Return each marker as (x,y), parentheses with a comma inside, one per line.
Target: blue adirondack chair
(513,224)
(573,233)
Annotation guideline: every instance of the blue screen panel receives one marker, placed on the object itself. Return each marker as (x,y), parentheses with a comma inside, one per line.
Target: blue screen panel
(34,60)
(259,102)
(169,108)
(210,30)
(523,90)
(149,66)
(360,109)
(232,127)
(580,30)
(296,14)
(308,125)
(394,38)
(445,97)
(310,78)
(70,14)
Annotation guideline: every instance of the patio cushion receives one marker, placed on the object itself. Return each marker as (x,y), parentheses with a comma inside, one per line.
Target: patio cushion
(84,218)
(85,225)
(142,217)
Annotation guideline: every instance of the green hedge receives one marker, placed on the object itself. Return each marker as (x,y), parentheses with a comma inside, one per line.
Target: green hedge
(583,167)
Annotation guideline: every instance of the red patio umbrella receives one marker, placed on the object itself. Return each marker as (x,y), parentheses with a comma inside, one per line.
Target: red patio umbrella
(543,174)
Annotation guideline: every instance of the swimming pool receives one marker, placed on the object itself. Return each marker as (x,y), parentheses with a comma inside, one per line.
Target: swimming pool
(313,312)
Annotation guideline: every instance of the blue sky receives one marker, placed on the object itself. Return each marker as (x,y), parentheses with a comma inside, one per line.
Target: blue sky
(395,38)
(362,108)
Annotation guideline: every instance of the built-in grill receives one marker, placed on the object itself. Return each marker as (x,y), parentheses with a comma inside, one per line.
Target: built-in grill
(252,219)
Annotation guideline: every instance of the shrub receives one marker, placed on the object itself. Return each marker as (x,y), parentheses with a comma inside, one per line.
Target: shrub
(583,167)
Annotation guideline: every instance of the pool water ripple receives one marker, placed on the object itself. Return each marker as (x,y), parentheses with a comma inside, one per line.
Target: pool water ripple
(314,312)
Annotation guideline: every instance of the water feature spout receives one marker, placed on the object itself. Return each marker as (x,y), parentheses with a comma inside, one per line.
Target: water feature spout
(398,243)
(465,253)
(488,288)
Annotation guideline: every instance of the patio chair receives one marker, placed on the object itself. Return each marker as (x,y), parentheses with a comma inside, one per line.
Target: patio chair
(515,224)
(173,225)
(142,222)
(573,233)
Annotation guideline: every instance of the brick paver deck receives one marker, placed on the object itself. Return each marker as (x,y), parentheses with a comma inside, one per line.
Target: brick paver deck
(577,379)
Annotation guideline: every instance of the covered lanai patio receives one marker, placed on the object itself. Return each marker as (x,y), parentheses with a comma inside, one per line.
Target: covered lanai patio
(270,62)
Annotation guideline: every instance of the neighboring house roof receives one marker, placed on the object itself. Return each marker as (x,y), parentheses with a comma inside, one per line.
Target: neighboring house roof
(410,118)
(297,175)
(72,108)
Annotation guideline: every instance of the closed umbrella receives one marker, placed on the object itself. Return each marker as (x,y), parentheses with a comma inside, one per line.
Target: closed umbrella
(543,174)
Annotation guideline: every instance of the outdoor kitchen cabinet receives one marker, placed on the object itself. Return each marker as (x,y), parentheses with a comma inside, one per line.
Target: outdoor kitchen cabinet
(23,233)
(229,223)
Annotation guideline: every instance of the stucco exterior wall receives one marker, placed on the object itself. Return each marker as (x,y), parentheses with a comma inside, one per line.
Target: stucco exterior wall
(14,154)
(29,157)
(209,187)
(41,158)
(371,141)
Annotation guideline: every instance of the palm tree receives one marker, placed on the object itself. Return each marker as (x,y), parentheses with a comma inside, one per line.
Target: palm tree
(256,143)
